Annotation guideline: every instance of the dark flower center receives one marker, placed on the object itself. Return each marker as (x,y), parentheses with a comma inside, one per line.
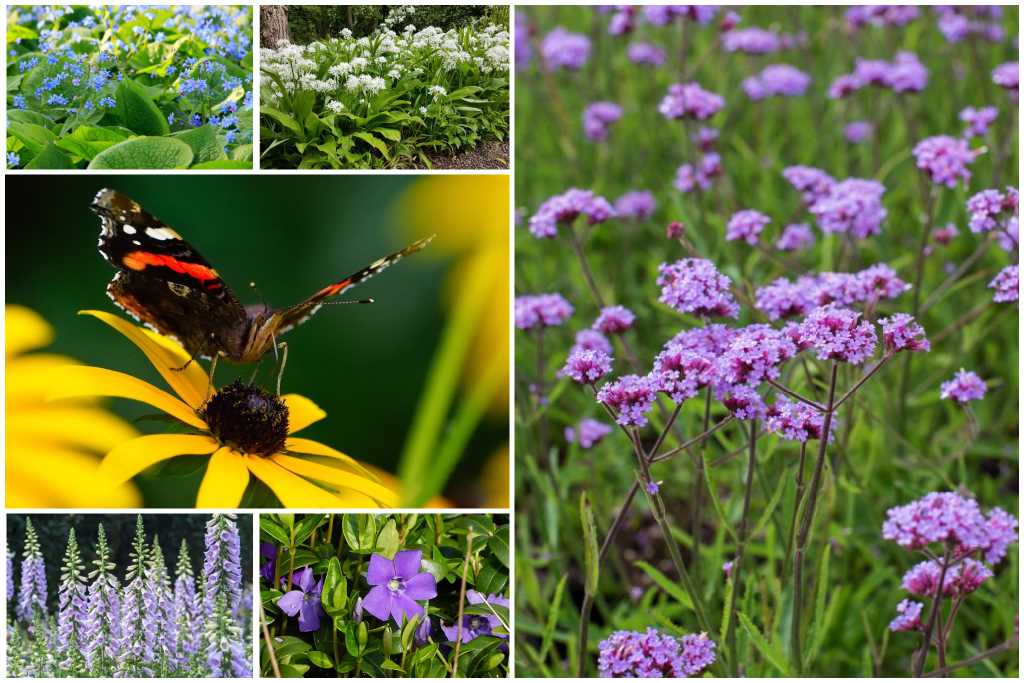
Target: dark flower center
(247,418)
(478,623)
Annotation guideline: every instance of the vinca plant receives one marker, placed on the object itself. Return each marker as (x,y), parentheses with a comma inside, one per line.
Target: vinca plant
(389,99)
(129,87)
(159,616)
(384,596)
(766,349)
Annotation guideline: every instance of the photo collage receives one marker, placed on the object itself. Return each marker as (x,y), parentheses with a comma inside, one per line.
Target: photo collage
(511,340)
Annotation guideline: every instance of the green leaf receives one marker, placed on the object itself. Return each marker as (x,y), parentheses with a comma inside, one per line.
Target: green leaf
(242,153)
(33,136)
(772,504)
(88,141)
(769,651)
(320,659)
(144,152)
(334,595)
(590,547)
(205,143)
(667,585)
(28,116)
(389,133)
(374,142)
(360,532)
(306,526)
(387,539)
(225,164)
(498,543)
(270,527)
(137,111)
(553,611)
(282,118)
(50,158)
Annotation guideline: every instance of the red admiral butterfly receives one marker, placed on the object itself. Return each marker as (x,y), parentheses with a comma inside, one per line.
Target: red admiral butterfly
(165,284)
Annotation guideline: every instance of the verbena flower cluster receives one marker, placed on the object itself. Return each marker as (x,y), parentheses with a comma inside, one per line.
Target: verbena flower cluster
(651,654)
(150,623)
(565,208)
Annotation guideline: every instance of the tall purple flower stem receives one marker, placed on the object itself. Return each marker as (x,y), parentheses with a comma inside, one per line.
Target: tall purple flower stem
(741,546)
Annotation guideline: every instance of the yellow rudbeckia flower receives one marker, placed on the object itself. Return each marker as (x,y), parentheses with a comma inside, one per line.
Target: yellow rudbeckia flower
(52,449)
(244,430)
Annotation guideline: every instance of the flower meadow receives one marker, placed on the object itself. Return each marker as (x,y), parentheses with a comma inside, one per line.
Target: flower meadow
(392,98)
(766,348)
(129,87)
(159,615)
(384,596)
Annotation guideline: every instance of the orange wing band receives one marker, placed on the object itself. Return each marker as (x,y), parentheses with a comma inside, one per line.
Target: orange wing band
(140,260)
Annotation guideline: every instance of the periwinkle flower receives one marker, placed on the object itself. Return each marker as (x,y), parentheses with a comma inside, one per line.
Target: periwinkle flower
(397,585)
(476,625)
(964,387)
(268,560)
(304,600)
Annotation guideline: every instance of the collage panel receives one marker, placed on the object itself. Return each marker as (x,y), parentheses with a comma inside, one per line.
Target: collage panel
(766,346)
(129,596)
(384,86)
(395,397)
(403,595)
(113,87)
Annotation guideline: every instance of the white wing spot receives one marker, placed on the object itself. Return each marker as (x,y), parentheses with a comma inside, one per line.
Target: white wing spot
(137,243)
(128,230)
(162,234)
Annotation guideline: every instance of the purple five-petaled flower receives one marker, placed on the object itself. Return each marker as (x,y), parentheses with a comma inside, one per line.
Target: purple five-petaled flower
(396,586)
(304,600)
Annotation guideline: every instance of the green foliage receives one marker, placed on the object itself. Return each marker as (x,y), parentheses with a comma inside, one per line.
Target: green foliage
(352,642)
(307,23)
(383,101)
(852,576)
(81,80)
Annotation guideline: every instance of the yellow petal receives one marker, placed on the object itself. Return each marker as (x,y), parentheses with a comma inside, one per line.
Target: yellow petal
(302,412)
(337,477)
(83,380)
(292,491)
(132,457)
(24,330)
(190,384)
(310,447)
(224,482)
(93,429)
(30,378)
(31,480)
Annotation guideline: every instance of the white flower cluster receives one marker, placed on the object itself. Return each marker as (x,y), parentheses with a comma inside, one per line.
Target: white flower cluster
(365,84)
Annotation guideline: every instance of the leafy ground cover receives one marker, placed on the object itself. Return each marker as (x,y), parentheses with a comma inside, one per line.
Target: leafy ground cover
(756,249)
(129,87)
(384,100)
(384,596)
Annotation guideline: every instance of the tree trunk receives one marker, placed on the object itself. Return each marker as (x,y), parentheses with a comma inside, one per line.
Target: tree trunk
(273,25)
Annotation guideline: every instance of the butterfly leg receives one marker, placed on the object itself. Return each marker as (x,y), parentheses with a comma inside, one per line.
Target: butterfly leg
(252,377)
(284,361)
(213,369)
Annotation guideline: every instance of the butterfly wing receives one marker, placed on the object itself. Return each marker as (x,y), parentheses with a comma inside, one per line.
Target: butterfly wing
(287,318)
(164,282)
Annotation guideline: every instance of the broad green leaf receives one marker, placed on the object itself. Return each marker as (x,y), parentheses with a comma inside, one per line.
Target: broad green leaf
(270,527)
(88,141)
(28,116)
(32,135)
(498,543)
(225,165)
(284,119)
(320,659)
(206,144)
(50,158)
(242,153)
(360,532)
(389,133)
(137,111)
(144,152)
(374,142)
(387,539)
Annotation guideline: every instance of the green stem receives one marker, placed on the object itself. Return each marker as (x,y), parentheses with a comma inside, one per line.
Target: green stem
(741,546)
(698,485)
(922,655)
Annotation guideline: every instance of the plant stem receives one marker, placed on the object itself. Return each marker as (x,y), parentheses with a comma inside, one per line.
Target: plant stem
(269,642)
(980,657)
(796,507)
(958,273)
(806,522)
(922,656)
(922,259)
(867,375)
(581,653)
(462,604)
(577,247)
(698,485)
(690,442)
(803,399)
(741,545)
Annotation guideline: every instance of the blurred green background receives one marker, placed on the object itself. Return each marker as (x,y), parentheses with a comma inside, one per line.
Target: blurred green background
(53,530)
(307,23)
(364,365)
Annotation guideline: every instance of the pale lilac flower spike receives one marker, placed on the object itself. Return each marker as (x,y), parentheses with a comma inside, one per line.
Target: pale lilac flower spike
(965,386)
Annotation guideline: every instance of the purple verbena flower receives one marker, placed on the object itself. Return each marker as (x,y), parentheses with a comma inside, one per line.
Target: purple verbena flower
(812,182)
(696,287)
(614,320)
(1007,284)
(795,421)
(561,49)
(646,53)
(901,332)
(839,334)
(784,299)
(742,401)
(592,340)
(777,80)
(978,120)
(752,41)
(795,237)
(598,117)
(586,367)
(746,225)
(945,159)
(853,206)
(858,131)
(908,617)
(1002,531)
(541,310)
(937,518)
(1008,76)
(754,355)
(965,386)
(630,654)
(690,100)
(587,433)
(681,373)
(629,397)
(566,207)
(638,205)
(397,585)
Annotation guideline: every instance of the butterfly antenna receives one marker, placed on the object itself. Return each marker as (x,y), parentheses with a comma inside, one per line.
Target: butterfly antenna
(347,301)
(256,291)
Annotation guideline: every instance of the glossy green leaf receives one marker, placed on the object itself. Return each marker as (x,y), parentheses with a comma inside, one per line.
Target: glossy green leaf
(144,152)
(137,111)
